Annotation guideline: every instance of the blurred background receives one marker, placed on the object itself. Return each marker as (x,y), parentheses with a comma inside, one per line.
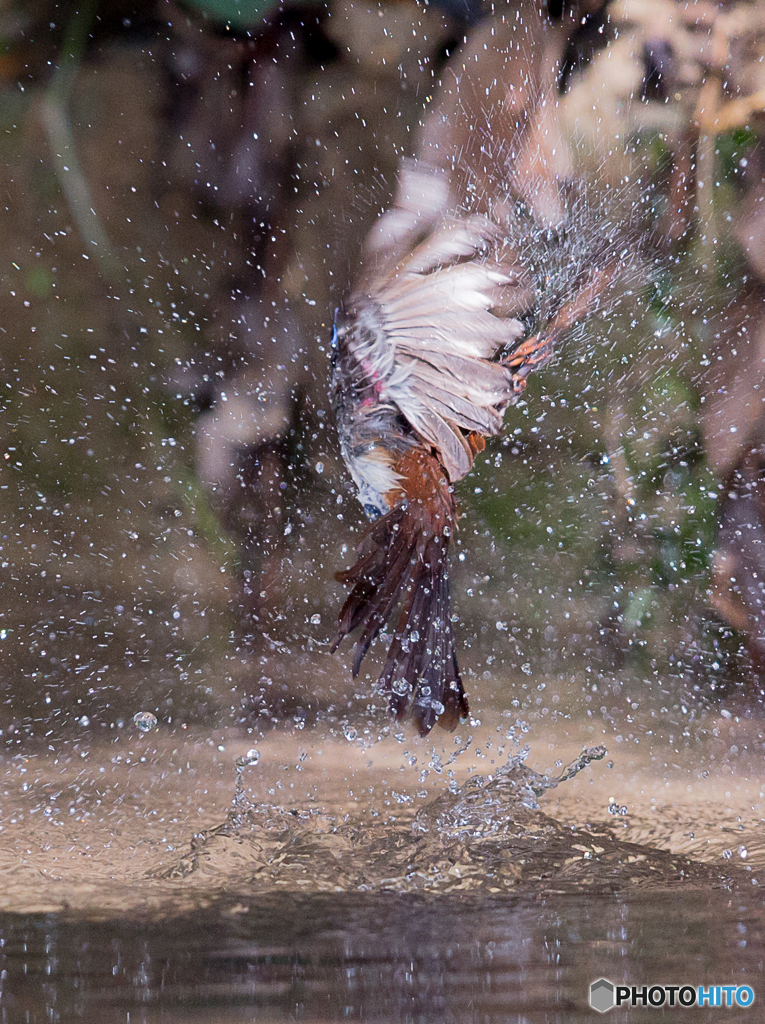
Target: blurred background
(184,191)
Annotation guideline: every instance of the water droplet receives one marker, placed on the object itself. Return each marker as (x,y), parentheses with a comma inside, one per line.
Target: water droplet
(84,721)
(319,467)
(145,721)
(315,620)
(526,668)
(350,733)
(743,852)
(250,759)
(727,854)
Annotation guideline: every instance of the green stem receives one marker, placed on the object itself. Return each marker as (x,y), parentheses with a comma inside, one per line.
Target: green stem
(57,125)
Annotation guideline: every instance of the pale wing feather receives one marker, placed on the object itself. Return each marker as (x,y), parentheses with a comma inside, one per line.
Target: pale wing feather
(476,374)
(481,339)
(467,285)
(461,412)
(448,355)
(454,451)
(464,327)
(455,240)
(478,395)
(421,198)
(440,331)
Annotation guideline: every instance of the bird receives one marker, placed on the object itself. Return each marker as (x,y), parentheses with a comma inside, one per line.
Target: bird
(428,352)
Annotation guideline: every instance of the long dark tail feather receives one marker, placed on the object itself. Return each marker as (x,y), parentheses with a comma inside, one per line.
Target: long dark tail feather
(402,560)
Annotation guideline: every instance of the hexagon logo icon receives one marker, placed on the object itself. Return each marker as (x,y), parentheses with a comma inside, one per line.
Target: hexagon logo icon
(602,995)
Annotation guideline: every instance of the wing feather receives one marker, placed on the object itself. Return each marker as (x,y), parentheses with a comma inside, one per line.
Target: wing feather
(454,451)
(433,321)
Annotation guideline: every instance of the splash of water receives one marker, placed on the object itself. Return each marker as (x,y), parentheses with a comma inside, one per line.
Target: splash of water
(487,836)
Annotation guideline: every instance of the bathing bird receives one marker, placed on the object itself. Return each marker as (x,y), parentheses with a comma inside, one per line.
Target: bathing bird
(429,351)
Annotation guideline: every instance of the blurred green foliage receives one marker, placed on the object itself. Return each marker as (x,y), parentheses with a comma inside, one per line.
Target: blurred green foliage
(240,14)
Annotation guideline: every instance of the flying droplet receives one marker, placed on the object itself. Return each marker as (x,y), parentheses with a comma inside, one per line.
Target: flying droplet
(145,721)
(250,759)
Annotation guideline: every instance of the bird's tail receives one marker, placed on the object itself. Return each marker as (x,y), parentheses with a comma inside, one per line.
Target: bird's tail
(403,560)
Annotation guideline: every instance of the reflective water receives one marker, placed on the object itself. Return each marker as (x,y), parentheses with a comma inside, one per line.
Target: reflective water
(381,957)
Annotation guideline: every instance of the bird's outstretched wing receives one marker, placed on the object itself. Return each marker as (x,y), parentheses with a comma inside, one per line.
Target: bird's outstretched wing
(445,308)
(430,353)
